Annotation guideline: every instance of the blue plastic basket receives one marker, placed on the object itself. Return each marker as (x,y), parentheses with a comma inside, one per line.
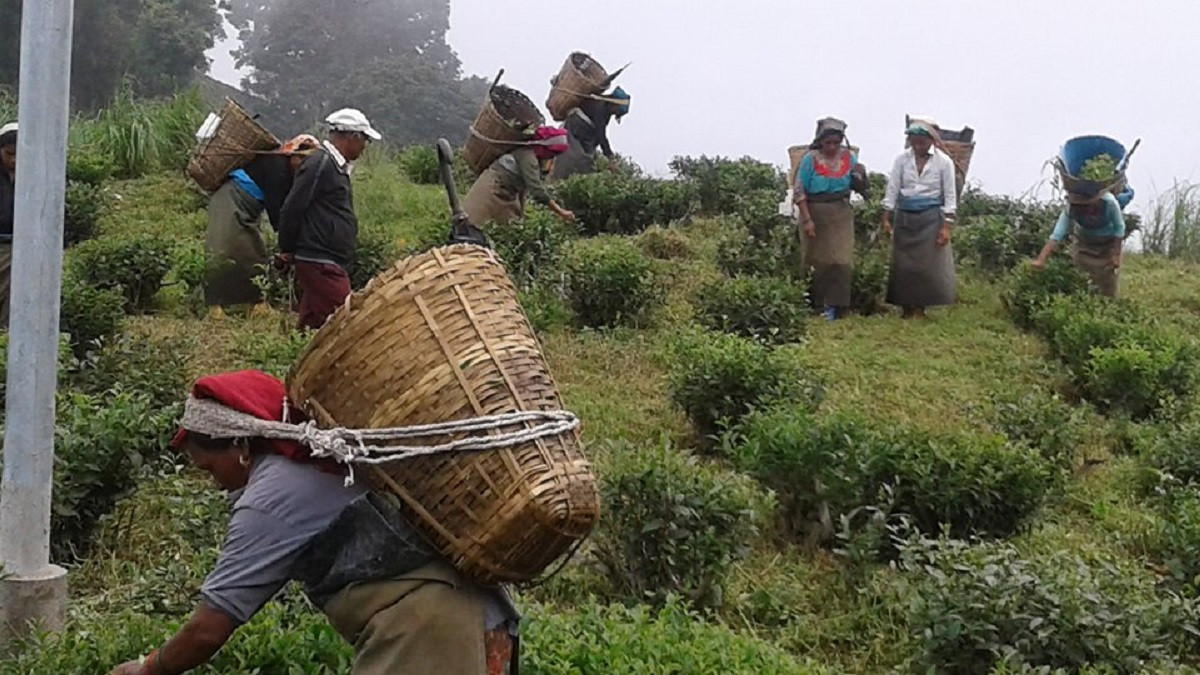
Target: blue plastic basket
(1077,151)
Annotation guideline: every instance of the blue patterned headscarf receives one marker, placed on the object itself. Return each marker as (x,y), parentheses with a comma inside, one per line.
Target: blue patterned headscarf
(620,95)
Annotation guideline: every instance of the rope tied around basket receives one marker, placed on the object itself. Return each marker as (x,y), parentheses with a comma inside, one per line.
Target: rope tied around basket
(378,446)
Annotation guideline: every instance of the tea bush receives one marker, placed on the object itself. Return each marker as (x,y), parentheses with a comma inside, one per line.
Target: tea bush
(101,443)
(968,484)
(973,606)
(869,281)
(716,379)
(155,367)
(998,233)
(1174,451)
(673,526)
(769,310)
(545,308)
(271,352)
(134,266)
(1043,421)
(1177,540)
(664,243)
(1139,378)
(420,164)
(190,269)
(85,203)
(1027,289)
(89,314)
(608,282)
(615,203)
(720,181)
(763,243)
(988,243)
(531,245)
(1075,325)
(377,251)
(88,166)
(669,640)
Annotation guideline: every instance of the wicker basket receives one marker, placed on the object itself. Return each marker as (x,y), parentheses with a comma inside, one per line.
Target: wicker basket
(581,76)
(441,337)
(237,138)
(500,127)
(960,153)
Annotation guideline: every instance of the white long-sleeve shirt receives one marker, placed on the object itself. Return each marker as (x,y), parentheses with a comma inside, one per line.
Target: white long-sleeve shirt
(936,184)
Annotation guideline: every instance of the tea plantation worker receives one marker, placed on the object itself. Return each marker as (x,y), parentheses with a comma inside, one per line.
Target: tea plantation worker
(921,200)
(498,195)
(824,178)
(234,241)
(587,129)
(8,194)
(318,229)
(1099,229)
(406,611)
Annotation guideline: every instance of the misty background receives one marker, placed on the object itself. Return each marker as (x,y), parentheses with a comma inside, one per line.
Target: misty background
(707,78)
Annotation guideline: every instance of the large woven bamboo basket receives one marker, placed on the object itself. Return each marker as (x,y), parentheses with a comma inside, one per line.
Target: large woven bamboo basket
(581,76)
(233,145)
(960,153)
(441,337)
(500,127)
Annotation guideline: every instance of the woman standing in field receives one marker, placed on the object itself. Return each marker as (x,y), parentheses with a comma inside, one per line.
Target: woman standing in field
(824,179)
(1099,230)
(921,199)
(498,195)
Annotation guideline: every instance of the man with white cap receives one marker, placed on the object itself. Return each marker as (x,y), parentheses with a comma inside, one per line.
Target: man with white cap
(318,230)
(8,177)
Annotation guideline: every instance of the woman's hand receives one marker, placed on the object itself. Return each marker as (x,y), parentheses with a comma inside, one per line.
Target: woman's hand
(886,223)
(810,228)
(566,215)
(613,165)
(1116,260)
(128,668)
(1038,263)
(944,235)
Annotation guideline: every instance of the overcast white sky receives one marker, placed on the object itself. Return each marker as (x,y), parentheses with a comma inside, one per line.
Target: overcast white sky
(752,77)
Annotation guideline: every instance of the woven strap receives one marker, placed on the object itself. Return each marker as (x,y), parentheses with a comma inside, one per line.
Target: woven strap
(378,446)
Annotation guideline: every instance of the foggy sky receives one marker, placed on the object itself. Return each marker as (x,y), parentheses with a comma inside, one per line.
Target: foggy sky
(1025,74)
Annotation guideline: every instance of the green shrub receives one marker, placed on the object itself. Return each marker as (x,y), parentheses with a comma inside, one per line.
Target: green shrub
(1141,377)
(869,281)
(1027,289)
(1174,452)
(533,244)
(89,314)
(972,606)
(155,367)
(1177,541)
(668,641)
(673,526)
(88,166)
(271,352)
(608,282)
(100,444)
(989,243)
(377,251)
(998,233)
(142,136)
(720,181)
(969,484)
(616,203)
(1074,325)
(1043,421)
(717,379)
(420,164)
(763,243)
(770,310)
(664,243)
(868,213)
(134,266)
(85,203)
(545,308)
(64,359)
(190,268)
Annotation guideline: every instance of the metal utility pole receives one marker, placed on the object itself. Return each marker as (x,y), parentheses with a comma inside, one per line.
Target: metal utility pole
(31,589)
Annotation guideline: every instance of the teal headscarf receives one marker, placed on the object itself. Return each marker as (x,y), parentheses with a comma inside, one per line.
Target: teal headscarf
(917,129)
(619,95)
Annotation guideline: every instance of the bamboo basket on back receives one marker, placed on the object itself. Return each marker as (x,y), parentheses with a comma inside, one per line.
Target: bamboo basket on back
(441,337)
(238,137)
(581,76)
(500,127)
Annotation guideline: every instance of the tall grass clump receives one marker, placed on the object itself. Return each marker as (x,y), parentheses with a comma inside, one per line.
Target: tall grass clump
(144,136)
(1172,228)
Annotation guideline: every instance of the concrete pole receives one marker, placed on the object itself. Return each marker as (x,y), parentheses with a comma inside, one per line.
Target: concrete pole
(32,590)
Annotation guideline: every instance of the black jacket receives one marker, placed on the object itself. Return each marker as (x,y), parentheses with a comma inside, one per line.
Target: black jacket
(317,221)
(7,202)
(595,134)
(273,175)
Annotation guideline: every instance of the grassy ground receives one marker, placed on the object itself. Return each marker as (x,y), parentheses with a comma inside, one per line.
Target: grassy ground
(937,374)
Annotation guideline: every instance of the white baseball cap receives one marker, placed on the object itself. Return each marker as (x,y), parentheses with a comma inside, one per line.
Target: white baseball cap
(8,128)
(349,119)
